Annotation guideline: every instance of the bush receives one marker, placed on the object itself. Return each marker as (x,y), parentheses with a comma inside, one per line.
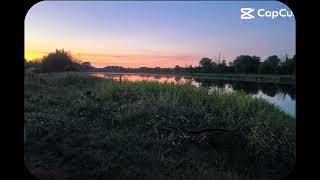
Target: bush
(59,61)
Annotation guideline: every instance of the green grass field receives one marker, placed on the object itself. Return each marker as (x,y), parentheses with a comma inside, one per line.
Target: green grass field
(82,127)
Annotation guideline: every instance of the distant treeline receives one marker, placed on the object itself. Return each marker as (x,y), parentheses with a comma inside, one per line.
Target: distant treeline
(63,61)
(243,64)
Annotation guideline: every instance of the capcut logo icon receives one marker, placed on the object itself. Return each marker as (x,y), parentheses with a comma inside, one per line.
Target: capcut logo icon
(246,13)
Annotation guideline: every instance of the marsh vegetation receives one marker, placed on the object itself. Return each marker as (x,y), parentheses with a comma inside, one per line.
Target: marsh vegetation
(83,127)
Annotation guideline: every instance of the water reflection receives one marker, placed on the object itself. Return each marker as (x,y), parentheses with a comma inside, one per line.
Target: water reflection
(283,96)
(269,89)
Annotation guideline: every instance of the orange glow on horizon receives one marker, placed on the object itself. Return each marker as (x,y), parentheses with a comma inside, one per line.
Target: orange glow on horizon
(33,56)
(127,60)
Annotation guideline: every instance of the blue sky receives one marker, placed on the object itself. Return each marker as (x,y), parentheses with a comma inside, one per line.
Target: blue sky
(150,33)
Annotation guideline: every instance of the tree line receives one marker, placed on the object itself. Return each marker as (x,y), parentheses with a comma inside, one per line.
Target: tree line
(243,64)
(61,60)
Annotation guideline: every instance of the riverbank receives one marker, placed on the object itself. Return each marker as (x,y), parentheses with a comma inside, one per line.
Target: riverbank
(90,128)
(260,78)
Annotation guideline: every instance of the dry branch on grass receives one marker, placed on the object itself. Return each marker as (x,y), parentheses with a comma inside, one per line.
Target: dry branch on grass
(207,135)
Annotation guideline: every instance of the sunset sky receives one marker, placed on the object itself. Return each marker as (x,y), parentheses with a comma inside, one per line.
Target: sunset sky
(151,33)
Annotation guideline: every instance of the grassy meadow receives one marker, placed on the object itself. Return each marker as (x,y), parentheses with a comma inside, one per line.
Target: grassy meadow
(82,127)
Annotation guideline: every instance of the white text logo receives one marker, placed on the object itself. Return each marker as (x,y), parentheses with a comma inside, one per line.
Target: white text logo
(248,13)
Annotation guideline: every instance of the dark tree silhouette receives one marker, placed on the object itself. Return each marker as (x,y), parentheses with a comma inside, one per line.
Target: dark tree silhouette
(246,64)
(59,61)
(206,64)
(270,65)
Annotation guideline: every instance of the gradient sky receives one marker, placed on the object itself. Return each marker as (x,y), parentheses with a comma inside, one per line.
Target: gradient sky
(151,33)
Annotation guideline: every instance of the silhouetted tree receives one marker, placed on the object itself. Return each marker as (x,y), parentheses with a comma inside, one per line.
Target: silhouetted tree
(59,61)
(190,69)
(222,67)
(270,65)
(206,64)
(177,69)
(246,64)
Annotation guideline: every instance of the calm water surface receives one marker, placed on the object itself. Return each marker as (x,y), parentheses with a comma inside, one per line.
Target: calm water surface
(284,96)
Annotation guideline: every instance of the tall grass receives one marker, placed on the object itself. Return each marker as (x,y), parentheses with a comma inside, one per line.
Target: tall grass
(95,128)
